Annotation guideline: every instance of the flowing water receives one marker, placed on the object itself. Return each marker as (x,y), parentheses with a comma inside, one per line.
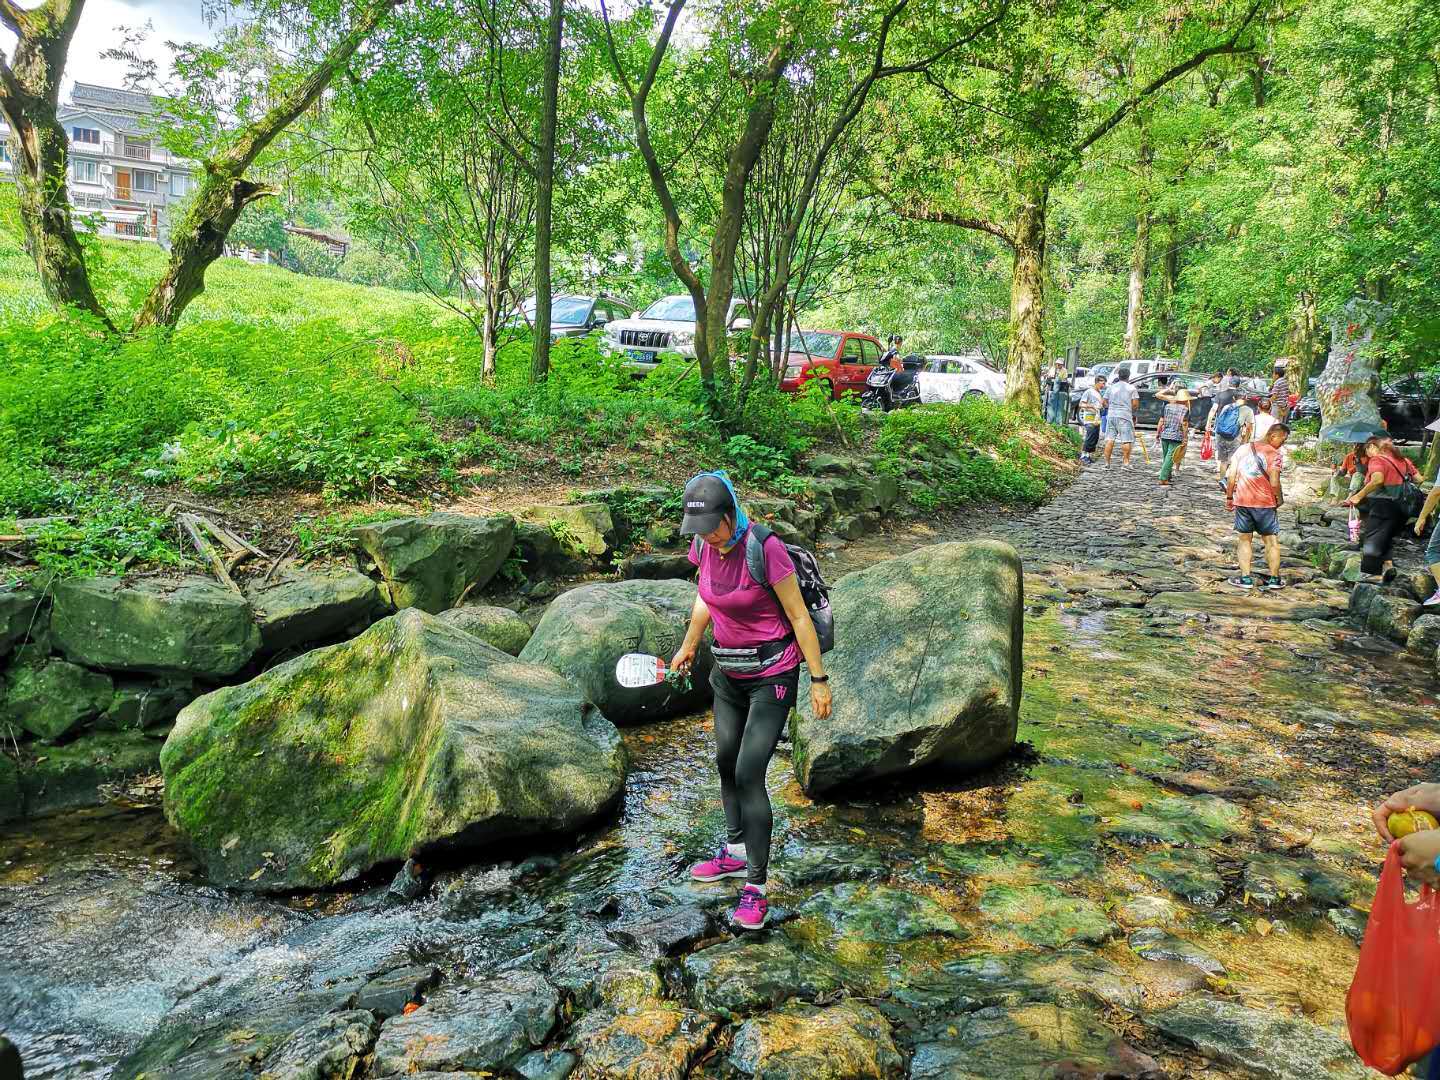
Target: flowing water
(1208,774)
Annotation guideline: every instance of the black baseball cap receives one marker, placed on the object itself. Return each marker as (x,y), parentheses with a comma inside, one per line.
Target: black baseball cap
(707,501)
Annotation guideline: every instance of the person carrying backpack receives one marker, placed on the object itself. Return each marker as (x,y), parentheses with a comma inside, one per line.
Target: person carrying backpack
(1232,423)
(750,594)
(1393,499)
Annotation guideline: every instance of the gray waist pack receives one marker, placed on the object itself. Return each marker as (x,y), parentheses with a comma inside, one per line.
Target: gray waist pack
(751,660)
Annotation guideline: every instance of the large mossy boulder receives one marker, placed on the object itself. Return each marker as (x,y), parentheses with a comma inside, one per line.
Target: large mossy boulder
(585,631)
(306,606)
(497,626)
(926,667)
(191,626)
(411,738)
(431,562)
(1391,615)
(49,698)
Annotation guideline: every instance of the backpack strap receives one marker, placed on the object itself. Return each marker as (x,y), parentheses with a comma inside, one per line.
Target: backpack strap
(755,555)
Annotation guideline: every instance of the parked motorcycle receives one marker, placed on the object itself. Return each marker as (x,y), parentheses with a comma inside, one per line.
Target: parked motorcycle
(886,388)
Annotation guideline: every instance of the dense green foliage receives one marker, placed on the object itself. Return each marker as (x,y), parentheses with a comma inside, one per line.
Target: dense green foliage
(276,382)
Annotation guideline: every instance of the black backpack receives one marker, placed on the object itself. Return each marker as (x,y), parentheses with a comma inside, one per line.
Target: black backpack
(813,589)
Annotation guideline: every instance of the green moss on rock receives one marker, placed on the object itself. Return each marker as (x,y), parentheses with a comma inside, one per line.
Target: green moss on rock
(411,737)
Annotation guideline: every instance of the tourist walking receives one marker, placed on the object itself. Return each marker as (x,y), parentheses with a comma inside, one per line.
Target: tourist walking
(764,632)
(1092,404)
(1253,493)
(1384,506)
(1432,551)
(1280,395)
(1264,419)
(1122,401)
(1213,387)
(1231,423)
(1173,431)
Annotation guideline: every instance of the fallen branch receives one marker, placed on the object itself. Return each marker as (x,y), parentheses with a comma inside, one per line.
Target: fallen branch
(190,523)
(276,564)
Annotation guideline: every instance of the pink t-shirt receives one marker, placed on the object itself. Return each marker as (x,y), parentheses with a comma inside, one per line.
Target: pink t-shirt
(743,613)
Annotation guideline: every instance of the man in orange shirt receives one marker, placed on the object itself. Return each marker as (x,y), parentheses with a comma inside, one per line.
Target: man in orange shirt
(1253,493)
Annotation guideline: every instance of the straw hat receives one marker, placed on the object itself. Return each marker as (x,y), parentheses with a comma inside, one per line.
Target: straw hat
(1181,396)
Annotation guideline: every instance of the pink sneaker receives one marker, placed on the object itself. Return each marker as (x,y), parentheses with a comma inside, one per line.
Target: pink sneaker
(721,866)
(752,910)
(1434,599)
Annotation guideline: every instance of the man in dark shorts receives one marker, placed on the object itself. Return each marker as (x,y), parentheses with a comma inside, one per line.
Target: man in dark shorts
(1253,493)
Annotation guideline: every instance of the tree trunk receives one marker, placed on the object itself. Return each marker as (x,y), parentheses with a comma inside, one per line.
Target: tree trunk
(1140,255)
(545,191)
(1027,303)
(29,99)
(489,333)
(199,238)
(1192,344)
(1169,278)
(1303,344)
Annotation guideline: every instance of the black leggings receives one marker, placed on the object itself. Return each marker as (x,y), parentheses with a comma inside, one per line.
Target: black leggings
(1092,438)
(749,717)
(1382,524)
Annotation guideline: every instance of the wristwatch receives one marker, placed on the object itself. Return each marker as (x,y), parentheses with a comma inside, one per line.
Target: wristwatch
(819,678)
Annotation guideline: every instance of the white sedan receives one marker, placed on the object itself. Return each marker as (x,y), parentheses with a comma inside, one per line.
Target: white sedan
(951,378)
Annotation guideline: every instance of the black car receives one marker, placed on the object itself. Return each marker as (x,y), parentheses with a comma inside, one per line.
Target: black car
(1407,405)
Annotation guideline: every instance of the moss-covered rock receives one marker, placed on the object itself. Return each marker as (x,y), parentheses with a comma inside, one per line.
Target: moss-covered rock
(742,976)
(1391,615)
(1029,1041)
(1190,875)
(12,801)
(72,775)
(483,1027)
(305,606)
(23,612)
(1424,637)
(848,1041)
(411,737)
(878,914)
(431,562)
(1043,915)
(143,704)
(926,668)
(583,530)
(187,627)
(656,1042)
(49,697)
(497,626)
(586,630)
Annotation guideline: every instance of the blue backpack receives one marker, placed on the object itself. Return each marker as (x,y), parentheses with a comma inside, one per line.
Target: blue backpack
(1227,424)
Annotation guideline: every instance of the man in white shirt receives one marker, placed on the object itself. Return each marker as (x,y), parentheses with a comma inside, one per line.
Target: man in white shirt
(1120,427)
(1091,402)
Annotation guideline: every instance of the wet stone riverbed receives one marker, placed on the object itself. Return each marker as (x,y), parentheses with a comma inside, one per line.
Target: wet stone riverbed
(1167,878)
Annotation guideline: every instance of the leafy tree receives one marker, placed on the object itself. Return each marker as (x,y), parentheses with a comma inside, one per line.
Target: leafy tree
(231,131)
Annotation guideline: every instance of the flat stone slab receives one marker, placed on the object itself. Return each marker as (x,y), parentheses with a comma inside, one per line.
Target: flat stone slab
(1267,607)
(1156,944)
(1043,915)
(1190,875)
(1268,1043)
(659,1041)
(1030,1041)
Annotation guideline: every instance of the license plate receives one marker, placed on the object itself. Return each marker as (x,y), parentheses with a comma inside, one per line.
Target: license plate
(639,354)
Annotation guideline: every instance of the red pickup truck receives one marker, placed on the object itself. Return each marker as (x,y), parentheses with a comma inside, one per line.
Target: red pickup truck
(842,359)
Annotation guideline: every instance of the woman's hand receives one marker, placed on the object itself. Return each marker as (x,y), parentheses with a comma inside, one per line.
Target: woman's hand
(1420,524)
(820,699)
(1418,853)
(1352,501)
(684,659)
(1419,797)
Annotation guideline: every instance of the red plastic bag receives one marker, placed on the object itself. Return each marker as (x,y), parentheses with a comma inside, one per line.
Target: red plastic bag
(1207,451)
(1393,1007)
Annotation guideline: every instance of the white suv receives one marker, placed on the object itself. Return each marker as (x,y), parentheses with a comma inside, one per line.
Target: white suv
(666,326)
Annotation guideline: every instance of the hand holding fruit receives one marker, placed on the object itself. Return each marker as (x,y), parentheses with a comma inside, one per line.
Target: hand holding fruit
(1425,797)
(1418,853)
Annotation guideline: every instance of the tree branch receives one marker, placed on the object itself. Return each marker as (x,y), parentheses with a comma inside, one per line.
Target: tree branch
(14,17)
(1230,45)
(943,217)
(260,134)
